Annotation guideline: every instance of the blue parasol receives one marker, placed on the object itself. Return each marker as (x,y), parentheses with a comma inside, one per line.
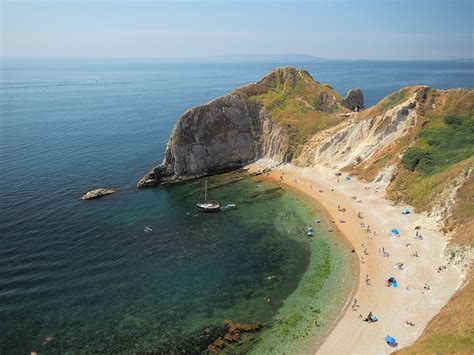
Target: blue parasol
(390,340)
(395,231)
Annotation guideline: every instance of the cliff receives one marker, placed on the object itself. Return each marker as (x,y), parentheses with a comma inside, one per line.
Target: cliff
(402,142)
(271,118)
(222,135)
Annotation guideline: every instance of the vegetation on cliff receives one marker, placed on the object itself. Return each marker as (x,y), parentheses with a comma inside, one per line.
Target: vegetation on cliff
(438,150)
(434,172)
(298,102)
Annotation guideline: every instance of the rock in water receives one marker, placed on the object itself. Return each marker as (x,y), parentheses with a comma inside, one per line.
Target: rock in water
(354,100)
(97,193)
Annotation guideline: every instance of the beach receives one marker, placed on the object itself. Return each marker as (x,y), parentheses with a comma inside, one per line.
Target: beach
(425,282)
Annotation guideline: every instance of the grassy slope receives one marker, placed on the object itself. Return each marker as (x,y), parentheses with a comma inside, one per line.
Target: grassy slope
(294,99)
(452,330)
(451,150)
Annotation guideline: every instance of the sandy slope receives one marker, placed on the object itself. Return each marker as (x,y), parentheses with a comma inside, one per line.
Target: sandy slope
(393,306)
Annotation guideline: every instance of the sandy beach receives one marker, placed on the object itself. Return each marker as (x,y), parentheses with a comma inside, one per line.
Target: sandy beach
(367,219)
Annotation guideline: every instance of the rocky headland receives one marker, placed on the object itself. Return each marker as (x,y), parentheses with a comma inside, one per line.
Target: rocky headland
(246,125)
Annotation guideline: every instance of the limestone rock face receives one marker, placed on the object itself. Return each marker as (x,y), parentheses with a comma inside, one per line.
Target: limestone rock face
(354,100)
(225,134)
(97,193)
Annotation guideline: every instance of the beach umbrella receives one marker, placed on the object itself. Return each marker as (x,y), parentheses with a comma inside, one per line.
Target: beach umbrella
(390,340)
(406,211)
(395,231)
(348,177)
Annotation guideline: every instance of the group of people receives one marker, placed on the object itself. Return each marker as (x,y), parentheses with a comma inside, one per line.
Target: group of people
(391,281)
(371,318)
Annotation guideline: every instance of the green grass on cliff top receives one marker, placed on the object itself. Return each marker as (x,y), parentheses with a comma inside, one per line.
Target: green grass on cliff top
(445,141)
(443,149)
(294,99)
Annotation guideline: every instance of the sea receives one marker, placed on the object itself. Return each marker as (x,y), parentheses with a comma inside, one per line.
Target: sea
(142,271)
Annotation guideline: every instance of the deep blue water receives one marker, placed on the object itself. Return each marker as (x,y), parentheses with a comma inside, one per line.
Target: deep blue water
(82,271)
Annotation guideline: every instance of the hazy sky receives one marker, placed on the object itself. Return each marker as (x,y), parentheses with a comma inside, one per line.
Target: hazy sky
(344,29)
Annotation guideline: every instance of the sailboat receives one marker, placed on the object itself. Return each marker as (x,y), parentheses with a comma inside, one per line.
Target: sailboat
(208,206)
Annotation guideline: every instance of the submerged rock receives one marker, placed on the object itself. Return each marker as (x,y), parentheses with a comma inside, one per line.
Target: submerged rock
(97,193)
(234,331)
(354,100)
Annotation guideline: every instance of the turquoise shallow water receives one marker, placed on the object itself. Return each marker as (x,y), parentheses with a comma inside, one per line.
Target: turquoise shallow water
(115,287)
(87,273)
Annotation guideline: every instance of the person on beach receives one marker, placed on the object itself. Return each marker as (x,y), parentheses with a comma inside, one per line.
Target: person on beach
(354,304)
(367,280)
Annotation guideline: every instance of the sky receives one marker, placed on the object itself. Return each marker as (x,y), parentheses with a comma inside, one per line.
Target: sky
(334,29)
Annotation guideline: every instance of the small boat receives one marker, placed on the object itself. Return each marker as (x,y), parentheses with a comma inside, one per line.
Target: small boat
(208,206)
(148,229)
(310,233)
(230,206)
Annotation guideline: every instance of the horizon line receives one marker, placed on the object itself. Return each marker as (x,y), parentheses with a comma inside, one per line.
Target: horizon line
(238,57)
